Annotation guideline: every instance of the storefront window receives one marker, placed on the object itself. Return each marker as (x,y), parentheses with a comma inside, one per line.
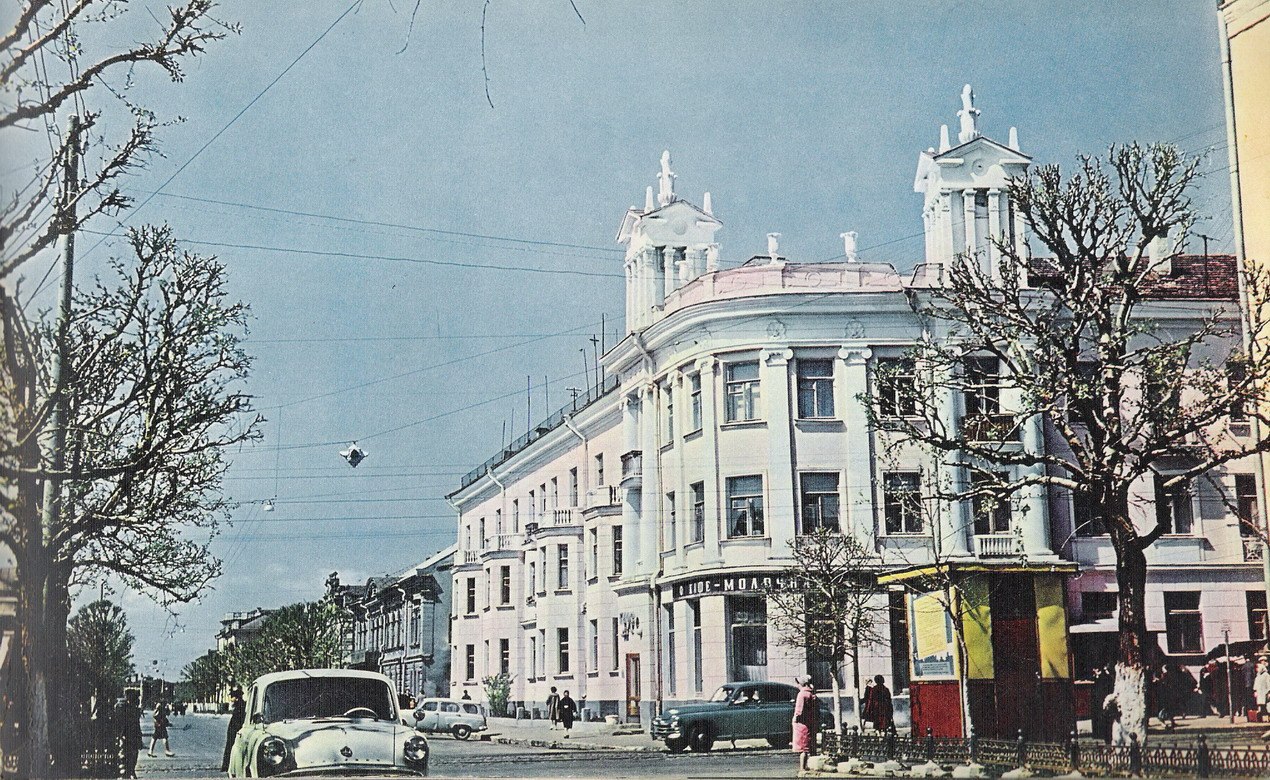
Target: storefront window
(749,638)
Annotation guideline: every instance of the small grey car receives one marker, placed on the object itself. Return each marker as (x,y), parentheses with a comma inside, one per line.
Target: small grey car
(454,716)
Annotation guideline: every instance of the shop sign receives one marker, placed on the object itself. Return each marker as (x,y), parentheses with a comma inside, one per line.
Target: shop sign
(753,584)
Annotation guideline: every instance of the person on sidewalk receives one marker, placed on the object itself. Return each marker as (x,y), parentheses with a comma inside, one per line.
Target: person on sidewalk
(553,707)
(1261,685)
(806,723)
(161,723)
(237,717)
(567,709)
(879,707)
(130,726)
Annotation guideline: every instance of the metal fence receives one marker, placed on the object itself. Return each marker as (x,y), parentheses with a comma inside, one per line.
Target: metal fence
(1195,760)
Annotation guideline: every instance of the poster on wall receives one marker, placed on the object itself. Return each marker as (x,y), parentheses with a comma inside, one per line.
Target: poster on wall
(932,637)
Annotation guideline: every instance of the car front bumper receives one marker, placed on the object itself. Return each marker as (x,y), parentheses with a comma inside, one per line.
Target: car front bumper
(662,729)
(356,770)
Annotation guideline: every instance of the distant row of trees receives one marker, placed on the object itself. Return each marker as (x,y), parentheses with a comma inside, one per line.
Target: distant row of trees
(307,635)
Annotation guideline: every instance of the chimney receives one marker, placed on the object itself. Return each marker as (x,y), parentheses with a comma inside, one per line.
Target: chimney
(1160,254)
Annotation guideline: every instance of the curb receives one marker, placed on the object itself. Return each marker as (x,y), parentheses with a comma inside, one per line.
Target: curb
(553,744)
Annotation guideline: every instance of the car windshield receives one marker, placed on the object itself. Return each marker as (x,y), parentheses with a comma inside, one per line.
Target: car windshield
(723,694)
(327,697)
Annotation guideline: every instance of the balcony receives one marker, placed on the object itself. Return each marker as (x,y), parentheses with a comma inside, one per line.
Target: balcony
(1253,550)
(561,516)
(504,542)
(991,428)
(603,496)
(471,556)
(995,545)
(632,466)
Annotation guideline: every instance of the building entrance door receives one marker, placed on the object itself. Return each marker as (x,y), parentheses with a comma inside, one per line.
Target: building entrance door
(632,686)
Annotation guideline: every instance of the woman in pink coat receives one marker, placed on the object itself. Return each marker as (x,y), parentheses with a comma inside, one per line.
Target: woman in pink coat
(806,722)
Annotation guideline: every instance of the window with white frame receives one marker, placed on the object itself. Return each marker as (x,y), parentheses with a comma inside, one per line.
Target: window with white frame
(469,667)
(595,552)
(983,386)
(595,645)
(533,507)
(745,506)
(616,649)
(515,514)
(533,577)
(533,656)
(481,525)
(819,507)
(815,388)
(671,642)
(498,522)
(542,500)
(617,550)
(698,532)
(902,502)
(599,470)
(694,383)
(555,493)
(573,486)
(1247,504)
(562,650)
(1173,508)
(1183,622)
(896,387)
(471,595)
(505,585)
(504,656)
(668,413)
(672,540)
(990,504)
(742,386)
(562,566)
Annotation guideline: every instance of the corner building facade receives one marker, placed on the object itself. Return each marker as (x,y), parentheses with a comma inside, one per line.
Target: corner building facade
(621,550)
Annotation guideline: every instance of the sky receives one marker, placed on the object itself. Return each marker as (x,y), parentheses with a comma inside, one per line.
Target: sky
(412,253)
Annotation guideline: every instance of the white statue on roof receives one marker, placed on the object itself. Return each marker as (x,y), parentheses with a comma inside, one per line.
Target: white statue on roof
(968,114)
(773,248)
(849,246)
(665,181)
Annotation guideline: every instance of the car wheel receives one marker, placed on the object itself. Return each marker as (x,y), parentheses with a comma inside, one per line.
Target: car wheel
(779,742)
(676,744)
(461,731)
(701,740)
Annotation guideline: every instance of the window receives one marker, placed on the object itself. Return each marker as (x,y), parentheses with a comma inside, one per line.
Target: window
(599,470)
(504,656)
(498,522)
(668,411)
(595,552)
(670,648)
(471,595)
(698,511)
(1247,505)
(485,665)
(617,636)
(467,536)
(1098,605)
(1183,622)
(820,502)
(533,577)
(698,667)
(897,387)
(902,502)
(555,493)
(562,566)
(695,384)
(617,549)
(749,638)
(573,486)
(515,514)
(595,645)
(745,506)
(482,526)
(533,507)
(562,648)
(990,505)
(542,645)
(470,666)
(983,388)
(672,541)
(505,585)
(489,592)
(1236,375)
(815,388)
(1173,506)
(1084,400)
(542,499)
(1256,615)
(533,656)
(742,391)
(1084,520)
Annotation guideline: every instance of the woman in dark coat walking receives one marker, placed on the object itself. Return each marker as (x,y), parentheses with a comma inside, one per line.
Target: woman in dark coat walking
(568,711)
(237,716)
(878,707)
(130,727)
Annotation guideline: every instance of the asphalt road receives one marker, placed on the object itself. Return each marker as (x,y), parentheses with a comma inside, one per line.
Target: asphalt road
(198,741)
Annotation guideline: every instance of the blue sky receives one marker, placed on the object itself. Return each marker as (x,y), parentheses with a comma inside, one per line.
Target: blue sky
(800,118)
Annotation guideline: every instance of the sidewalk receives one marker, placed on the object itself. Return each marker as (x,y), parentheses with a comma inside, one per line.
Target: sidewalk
(584,736)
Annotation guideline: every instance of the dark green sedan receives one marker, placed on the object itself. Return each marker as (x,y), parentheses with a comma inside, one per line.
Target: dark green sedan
(744,710)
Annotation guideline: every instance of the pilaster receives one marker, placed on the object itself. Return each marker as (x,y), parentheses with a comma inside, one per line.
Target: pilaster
(994,230)
(953,520)
(778,503)
(859,453)
(709,368)
(1035,520)
(650,505)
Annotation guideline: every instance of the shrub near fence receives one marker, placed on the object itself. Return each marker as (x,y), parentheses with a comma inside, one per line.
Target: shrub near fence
(1197,760)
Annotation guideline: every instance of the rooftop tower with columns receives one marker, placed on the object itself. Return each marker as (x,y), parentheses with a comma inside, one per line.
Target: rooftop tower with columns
(669,242)
(966,192)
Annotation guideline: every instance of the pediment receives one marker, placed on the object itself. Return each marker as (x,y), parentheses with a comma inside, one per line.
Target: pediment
(678,220)
(982,149)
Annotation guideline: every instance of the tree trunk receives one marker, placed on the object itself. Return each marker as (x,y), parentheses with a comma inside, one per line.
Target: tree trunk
(33,662)
(1132,664)
(63,708)
(837,704)
(859,705)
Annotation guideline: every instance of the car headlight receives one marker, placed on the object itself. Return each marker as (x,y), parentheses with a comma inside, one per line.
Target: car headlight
(273,754)
(416,750)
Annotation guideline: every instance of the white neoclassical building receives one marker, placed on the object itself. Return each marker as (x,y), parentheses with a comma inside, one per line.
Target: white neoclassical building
(621,549)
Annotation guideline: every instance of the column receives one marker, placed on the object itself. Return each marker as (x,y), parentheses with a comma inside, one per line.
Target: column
(632,291)
(854,371)
(650,505)
(944,224)
(708,367)
(968,219)
(696,262)
(631,499)
(994,230)
(670,272)
(953,515)
(1035,515)
(676,480)
(779,500)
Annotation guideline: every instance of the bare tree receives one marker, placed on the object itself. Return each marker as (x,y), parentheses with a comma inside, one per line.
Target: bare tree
(1070,346)
(51,61)
(153,405)
(828,604)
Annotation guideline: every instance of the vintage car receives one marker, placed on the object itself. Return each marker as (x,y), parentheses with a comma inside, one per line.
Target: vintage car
(451,716)
(326,722)
(743,710)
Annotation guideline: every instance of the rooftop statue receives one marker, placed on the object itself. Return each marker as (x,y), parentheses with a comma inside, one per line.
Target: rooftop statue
(968,114)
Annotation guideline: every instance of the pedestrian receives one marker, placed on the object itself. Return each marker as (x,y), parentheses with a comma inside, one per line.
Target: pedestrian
(806,721)
(237,717)
(866,704)
(1261,685)
(1104,684)
(553,707)
(161,723)
(1164,697)
(130,731)
(879,707)
(466,696)
(567,710)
